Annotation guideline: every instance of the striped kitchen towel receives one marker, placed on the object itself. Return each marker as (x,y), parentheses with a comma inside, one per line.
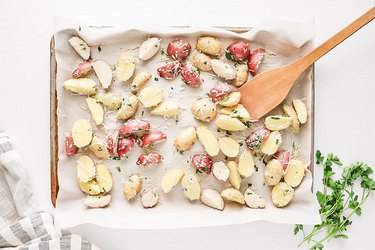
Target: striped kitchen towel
(23,224)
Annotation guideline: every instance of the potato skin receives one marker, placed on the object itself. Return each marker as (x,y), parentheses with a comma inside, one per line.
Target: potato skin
(185,139)
(204,110)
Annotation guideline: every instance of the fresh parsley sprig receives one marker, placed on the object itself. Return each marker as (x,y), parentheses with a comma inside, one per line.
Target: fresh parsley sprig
(338,201)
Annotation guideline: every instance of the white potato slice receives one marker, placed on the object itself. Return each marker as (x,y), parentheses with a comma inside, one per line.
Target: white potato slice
(104,178)
(246,163)
(99,148)
(149,48)
(229,146)
(220,171)
(237,111)
(80,46)
(90,187)
(96,110)
(97,201)
(231,194)
(110,100)
(231,100)
(125,67)
(86,170)
(208,141)
(83,86)
(81,133)
(223,70)
(128,109)
(204,109)
(212,198)
(277,122)
(234,175)
(185,139)
(282,194)
(132,186)
(241,76)
(149,199)
(273,172)
(289,111)
(151,96)
(253,200)
(294,173)
(171,179)
(301,110)
(166,109)
(272,143)
(226,122)
(208,45)
(104,73)
(202,62)
(139,81)
(191,187)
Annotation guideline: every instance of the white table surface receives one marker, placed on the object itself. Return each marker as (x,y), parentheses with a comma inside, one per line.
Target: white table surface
(345,94)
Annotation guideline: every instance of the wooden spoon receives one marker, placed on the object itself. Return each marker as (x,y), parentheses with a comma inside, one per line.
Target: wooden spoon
(267,90)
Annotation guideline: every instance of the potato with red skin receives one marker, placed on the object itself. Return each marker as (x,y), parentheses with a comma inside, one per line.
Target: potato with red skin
(149,159)
(256,137)
(178,49)
(219,92)
(124,146)
(190,75)
(283,156)
(134,126)
(170,70)
(70,148)
(111,142)
(202,162)
(255,60)
(152,138)
(238,51)
(82,69)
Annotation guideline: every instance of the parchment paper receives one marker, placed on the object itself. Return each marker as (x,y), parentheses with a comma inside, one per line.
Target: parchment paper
(285,41)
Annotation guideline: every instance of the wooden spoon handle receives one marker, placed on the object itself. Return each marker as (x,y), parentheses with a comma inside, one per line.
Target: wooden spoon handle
(307,60)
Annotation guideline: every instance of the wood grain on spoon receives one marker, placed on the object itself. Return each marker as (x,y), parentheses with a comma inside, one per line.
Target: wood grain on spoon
(267,90)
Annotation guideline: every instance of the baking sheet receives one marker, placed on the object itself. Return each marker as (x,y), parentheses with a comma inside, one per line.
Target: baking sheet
(285,42)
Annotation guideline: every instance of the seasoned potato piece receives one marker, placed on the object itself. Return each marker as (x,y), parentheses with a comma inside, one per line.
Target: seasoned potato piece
(191,187)
(97,201)
(151,96)
(209,45)
(85,169)
(125,66)
(273,172)
(132,186)
(104,178)
(96,110)
(204,110)
(83,86)
(185,139)
(166,109)
(128,109)
(237,111)
(253,200)
(202,62)
(208,140)
(301,110)
(242,73)
(234,175)
(229,146)
(231,100)
(149,48)
(81,133)
(104,73)
(226,122)
(220,171)
(80,46)
(272,143)
(110,100)
(90,187)
(294,173)
(139,81)
(282,194)
(289,111)
(171,179)
(223,69)
(212,198)
(246,163)
(149,199)
(277,122)
(99,148)
(231,194)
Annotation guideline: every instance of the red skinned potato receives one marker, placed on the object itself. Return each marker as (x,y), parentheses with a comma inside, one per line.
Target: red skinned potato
(170,70)
(134,126)
(219,92)
(70,148)
(256,137)
(178,49)
(124,146)
(152,138)
(111,142)
(202,162)
(190,75)
(82,69)
(149,159)
(255,60)
(238,51)
(283,156)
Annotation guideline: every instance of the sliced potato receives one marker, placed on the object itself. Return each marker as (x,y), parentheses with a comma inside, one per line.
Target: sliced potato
(282,194)
(246,163)
(294,173)
(132,186)
(226,122)
(96,110)
(128,109)
(80,46)
(104,73)
(229,146)
(149,199)
(209,45)
(241,76)
(104,178)
(99,148)
(86,170)
(166,109)
(212,198)
(81,133)
(90,187)
(301,110)
(204,109)
(231,194)
(191,187)
(151,96)
(223,69)
(208,140)
(125,66)
(171,179)
(273,172)
(272,143)
(110,100)
(289,111)
(83,86)
(234,175)
(220,171)
(237,111)
(185,139)
(149,48)
(231,100)
(277,122)
(139,81)
(202,62)
(253,200)
(97,201)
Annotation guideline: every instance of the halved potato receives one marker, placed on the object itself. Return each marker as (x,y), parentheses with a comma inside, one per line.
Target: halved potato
(208,140)
(83,86)
(80,46)
(149,199)
(125,66)
(223,69)
(273,172)
(231,194)
(282,194)
(132,186)
(104,178)
(171,179)
(128,109)
(294,173)
(110,100)
(96,110)
(231,100)
(81,133)
(191,187)
(203,109)
(149,48)
(226,122)
(289,111)
(272,143)
(220,171)
(185,139)
(104,73)
(246,163)
(139,81)
(237,111)
(86,170)
(97,201)
(208,45)
(234,175)
(253,200)
(202,62)
(151,96)
(301,110)
(166,109)
(277,122)
(99,148)
(241,76)
(90,187)
(212,198)
(229,146)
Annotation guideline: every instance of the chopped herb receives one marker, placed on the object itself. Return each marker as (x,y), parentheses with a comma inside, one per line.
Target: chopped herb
(256,168)
(79,28)
(228,55)
(277,141)
(129,104)
(275,118)
(99,48)
(116,158)
(156,79)
(118,169)
(241,143)
(171,88)
(249,185)
(228,133)
(143,112)
(247,124)
(197,171)
(105,191)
